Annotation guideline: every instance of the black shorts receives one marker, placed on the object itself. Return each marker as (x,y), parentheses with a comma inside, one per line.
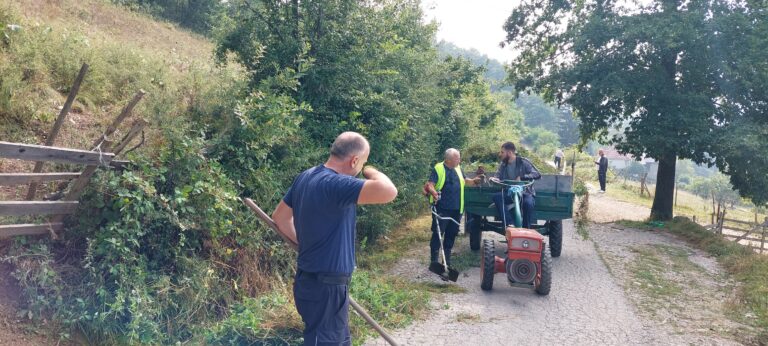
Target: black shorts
(324,308)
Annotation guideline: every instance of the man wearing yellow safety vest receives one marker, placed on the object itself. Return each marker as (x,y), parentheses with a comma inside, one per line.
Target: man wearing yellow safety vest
(446,189)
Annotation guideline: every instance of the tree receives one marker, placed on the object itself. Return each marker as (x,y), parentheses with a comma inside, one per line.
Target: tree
(741,150)
(716,188)
(541,141)
(365,66)
(652,73)
(539,113)
(494,69)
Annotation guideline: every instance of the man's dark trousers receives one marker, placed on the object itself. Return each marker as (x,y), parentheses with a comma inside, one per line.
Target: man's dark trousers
(601,177)
(528,204)
(449,229)
(323,303)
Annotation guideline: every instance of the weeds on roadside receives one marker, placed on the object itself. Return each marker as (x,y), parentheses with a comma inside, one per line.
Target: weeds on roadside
(748,267)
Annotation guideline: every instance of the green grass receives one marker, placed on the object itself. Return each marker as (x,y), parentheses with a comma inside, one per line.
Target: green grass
(648,270)
(387,251)
(439,287)
(393,303)
(465,259)
(748,268)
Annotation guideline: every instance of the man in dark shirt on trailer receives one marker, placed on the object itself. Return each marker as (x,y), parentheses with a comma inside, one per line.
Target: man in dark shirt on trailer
(514,167)
(448,179)
(319,212)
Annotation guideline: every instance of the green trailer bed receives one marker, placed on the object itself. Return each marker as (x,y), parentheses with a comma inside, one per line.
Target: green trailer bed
(553,203)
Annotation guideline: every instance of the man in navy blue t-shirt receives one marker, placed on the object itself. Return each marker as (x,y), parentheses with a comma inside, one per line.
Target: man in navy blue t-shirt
(319,212)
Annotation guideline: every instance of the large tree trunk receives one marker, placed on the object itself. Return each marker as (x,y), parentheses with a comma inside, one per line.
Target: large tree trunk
(663,199)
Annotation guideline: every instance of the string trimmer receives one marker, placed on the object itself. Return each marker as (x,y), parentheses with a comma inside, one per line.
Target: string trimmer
(436,268)
(359,309)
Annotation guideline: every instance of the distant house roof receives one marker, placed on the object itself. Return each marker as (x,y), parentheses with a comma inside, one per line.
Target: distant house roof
(613,154)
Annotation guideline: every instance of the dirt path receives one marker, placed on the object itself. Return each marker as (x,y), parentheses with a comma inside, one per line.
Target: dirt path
(621,286)
(606,209)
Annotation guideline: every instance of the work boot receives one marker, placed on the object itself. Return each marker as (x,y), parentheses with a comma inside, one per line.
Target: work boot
(448,259)
(434,265)
(433,256)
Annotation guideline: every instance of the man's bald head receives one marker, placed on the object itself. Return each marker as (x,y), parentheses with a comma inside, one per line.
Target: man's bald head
(452,157)
(349,144)
(451,153)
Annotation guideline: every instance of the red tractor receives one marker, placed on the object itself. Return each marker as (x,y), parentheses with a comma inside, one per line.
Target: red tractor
(528,262)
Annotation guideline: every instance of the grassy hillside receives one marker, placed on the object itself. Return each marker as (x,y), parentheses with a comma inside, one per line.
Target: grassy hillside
(45,42)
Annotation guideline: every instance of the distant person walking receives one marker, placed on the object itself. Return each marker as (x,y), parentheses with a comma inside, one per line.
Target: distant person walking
(559,159)
(602,169)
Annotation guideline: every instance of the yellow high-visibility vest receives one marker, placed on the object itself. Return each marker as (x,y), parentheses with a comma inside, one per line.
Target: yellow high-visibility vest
(440,169)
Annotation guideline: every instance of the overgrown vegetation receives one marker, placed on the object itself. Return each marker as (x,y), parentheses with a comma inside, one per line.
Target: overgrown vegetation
(164,252)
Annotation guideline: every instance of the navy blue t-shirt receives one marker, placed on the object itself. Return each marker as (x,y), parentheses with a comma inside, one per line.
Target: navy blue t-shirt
(324,212)
(450,194)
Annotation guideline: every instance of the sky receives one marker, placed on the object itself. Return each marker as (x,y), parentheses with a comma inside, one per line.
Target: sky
(472,23)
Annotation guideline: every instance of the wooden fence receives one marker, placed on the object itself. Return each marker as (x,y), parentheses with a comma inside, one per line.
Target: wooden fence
(747,233)
(101,154)
(67,205)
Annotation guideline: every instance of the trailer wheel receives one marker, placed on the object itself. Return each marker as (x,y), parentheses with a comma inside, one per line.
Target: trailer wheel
(472,228)
(555,231)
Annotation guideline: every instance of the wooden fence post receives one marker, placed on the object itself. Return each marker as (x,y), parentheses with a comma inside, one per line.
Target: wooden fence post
(123,114)
(765,230)
(57,125)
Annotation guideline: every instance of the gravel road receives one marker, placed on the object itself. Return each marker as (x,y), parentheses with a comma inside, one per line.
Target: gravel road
(587,305)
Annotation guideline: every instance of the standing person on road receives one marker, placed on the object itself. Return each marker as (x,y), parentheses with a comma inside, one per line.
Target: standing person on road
(559,159)
(514,167)
(602,169)
(446,189)
(319,212)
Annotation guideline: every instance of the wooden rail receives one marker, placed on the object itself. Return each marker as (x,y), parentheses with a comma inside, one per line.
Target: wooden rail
(739,221)
(18,208)
(26,178)
(32,152)
(7,231)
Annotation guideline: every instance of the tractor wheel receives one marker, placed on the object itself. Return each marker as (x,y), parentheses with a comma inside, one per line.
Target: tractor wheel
(472,228)
(488,265)
(555,230)
(546,274)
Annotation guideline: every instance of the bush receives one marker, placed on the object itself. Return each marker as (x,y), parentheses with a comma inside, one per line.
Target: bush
(156,252)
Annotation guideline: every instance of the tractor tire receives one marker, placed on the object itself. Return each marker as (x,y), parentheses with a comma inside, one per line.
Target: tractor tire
(472,228)
(555,231)
(546,274)
(488,266)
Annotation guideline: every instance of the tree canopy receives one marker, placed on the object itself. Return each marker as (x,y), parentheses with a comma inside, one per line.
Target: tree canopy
(655,73)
